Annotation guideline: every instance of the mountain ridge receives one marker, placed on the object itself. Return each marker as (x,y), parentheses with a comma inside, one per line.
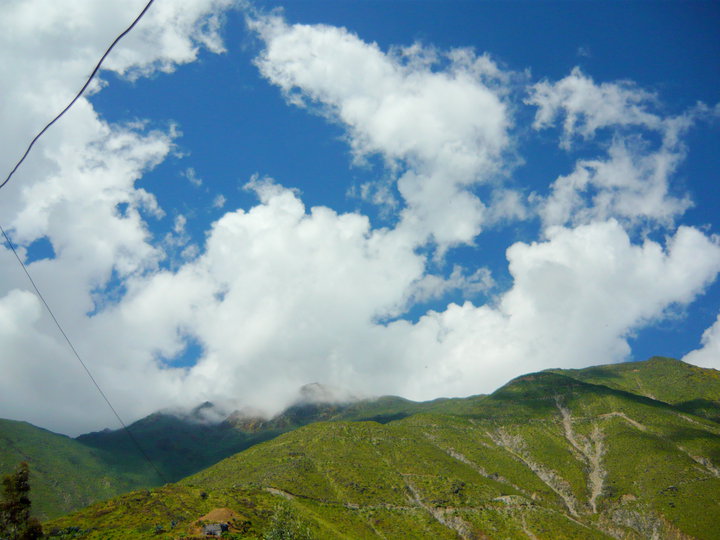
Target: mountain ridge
(536,398)
(545,456)
(174,440)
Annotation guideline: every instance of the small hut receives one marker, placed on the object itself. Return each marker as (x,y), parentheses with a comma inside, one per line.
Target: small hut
(215,529)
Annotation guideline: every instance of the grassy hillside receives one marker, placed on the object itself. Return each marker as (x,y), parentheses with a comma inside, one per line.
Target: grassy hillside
(546,456)
(690,388)
(177,446)
(181,446)
(65,475)
(70,474)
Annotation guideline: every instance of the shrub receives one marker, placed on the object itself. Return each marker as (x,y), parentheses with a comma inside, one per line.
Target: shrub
(286,525)
(15,520)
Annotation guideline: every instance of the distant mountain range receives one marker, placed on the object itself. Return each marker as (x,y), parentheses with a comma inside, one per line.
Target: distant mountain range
(625,451)
(68,474)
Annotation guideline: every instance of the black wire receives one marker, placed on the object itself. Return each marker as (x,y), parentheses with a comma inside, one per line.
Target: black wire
(97,67)
(12,247)
(72,347)
(37,291)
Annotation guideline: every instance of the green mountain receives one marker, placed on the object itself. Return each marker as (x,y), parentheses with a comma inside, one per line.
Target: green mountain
(181,445)
(68,474)
(546,456)
(177,446)
(690,388)
(65,475)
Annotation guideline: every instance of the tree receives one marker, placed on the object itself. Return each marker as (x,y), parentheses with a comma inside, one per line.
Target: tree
(15,520)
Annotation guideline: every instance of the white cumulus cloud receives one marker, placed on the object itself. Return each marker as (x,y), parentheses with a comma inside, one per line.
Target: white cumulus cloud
(588,107)
(278,294)
(442,130)
(709,354)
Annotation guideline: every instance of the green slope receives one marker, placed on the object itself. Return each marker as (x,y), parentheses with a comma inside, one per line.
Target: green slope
(546,456)
(182,446)
(176,446)
(69,474)
(65,475)
(690,388)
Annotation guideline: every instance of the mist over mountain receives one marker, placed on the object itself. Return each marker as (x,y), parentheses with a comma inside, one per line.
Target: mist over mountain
(178,441)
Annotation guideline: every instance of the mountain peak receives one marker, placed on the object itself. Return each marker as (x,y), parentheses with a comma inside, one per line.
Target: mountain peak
(316,393)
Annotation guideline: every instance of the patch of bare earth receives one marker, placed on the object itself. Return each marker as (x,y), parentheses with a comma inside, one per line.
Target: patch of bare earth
(633,423)
(477,468)
(705,462)
(444,516)
(589,449)
(280,492)
(515,445)
(218,515)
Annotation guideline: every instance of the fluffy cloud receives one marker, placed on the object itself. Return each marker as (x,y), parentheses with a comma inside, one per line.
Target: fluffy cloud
(709,354)
(588,107)
(171,33)
(281,297)
(279,294)
(39,76)
(78,187)
(83,165)
(575,301)
(442,130)
(632,182)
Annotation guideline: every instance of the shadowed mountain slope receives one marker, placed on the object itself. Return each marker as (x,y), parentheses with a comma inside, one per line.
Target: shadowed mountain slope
(181,445)
(64,474)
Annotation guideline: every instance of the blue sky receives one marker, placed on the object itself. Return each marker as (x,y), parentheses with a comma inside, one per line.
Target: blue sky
(418,198)
(220,102)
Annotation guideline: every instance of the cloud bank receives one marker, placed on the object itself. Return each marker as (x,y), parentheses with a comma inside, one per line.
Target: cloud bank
(280,294)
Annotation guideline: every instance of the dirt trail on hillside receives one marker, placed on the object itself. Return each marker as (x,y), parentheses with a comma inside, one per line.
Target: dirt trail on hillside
(515,445)
(706,427)
(597,473)
(701,460)
(477,468)
(590,451)
(625,417)
(280,492)
(443,516)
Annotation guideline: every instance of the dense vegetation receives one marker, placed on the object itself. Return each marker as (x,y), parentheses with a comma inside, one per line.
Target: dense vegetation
(69,474)
(550,455)
(16,521)
(689,388)
(65,475)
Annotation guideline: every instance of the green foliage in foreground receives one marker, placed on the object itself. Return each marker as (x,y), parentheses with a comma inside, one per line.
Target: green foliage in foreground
(546,456)
(285,525)
(15,520)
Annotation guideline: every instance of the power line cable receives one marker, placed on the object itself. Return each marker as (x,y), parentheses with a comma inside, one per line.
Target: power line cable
(125,428)
(74,350)
(87,83)
(22,264)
